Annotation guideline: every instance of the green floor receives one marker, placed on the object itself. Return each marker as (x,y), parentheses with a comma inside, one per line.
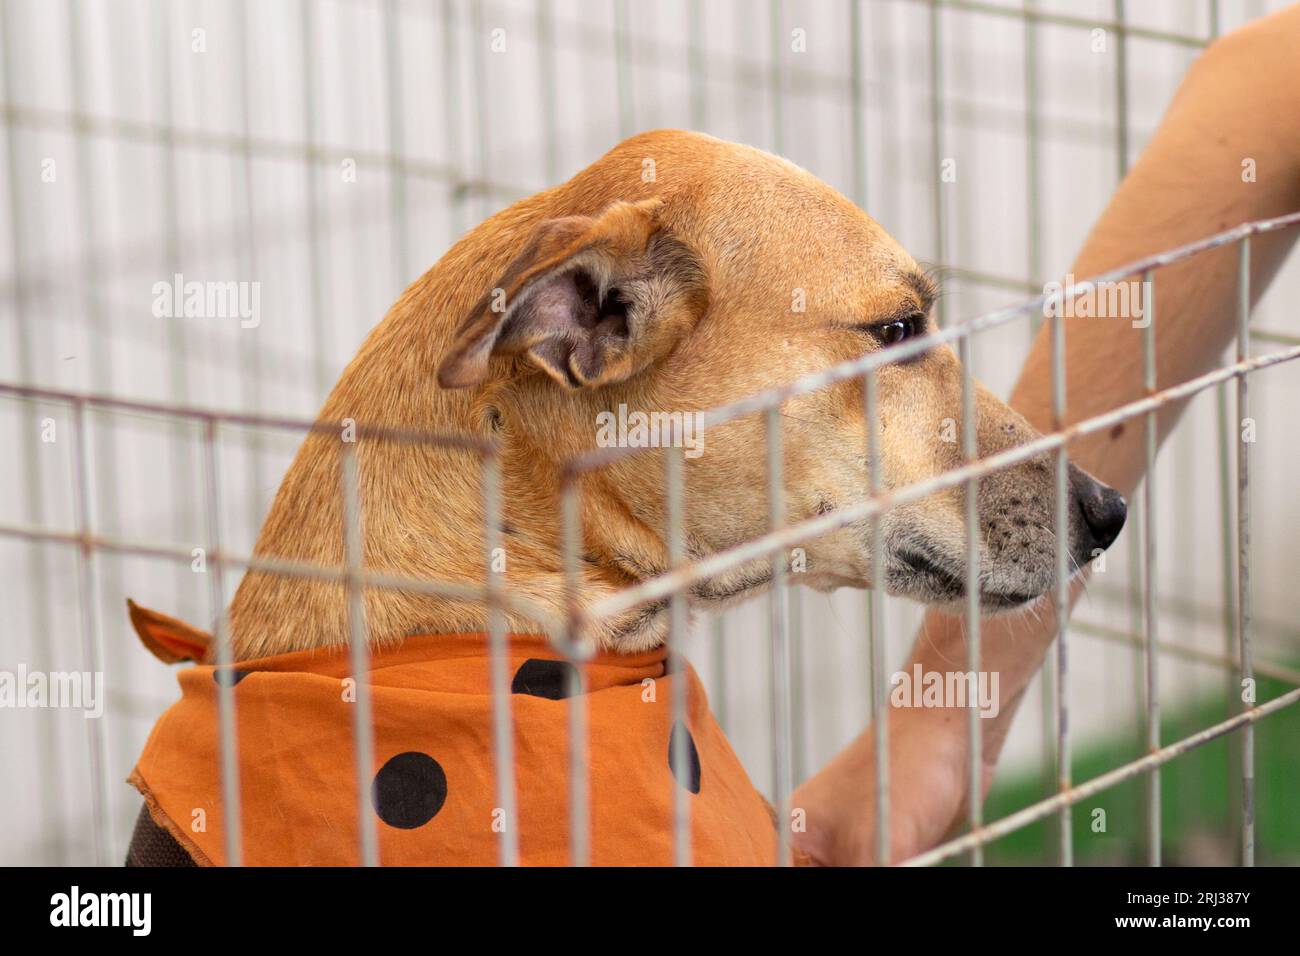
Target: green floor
(1200,798)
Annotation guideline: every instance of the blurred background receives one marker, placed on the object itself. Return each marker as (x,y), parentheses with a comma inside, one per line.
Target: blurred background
(332,150)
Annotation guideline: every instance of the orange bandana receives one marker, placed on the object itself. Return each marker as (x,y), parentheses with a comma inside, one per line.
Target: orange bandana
(433,787)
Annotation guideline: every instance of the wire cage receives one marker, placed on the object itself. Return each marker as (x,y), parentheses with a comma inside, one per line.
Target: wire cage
(339,146)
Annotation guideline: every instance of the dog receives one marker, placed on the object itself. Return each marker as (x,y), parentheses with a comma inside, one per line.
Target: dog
(678,272)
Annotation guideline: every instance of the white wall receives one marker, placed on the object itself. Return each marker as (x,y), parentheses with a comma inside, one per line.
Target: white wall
(226,164)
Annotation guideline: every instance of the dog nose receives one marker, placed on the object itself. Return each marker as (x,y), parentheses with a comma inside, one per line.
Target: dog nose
(1104,510)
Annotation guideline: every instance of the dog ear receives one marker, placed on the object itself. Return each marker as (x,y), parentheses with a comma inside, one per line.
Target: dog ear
(589,300)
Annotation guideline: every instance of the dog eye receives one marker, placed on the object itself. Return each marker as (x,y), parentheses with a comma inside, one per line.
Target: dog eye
(897,330)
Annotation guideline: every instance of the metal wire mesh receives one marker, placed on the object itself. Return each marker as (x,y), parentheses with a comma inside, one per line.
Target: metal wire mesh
(472,190)
(675,584)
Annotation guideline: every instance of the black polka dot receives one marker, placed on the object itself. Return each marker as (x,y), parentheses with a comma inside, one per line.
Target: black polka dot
(538,678)
(228,676)
(409,790)
(689,776)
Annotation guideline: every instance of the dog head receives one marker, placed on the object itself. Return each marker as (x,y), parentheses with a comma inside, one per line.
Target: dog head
(726,272)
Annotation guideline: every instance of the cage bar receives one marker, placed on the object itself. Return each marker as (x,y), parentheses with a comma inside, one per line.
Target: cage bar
(970,452)
(718,661)
(857,105)
(477,90)
(546,84)
(1032,14)
(316,218)
(779,641)
(393,78)
(228,753)
(1225,662)
(1150,657)
(455,175)
(503,733)
(1121,90)
(876,621)
(1062,593)
(777,77)
(623,70)
(1243,556)
(92,651)
(677,630)
(575,652)
(935,35)
(1227,502)
(359,651)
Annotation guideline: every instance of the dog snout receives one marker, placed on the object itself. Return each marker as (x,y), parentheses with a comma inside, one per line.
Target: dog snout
(1103,508)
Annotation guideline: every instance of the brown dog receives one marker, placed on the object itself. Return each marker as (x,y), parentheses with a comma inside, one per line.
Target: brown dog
(676,273)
